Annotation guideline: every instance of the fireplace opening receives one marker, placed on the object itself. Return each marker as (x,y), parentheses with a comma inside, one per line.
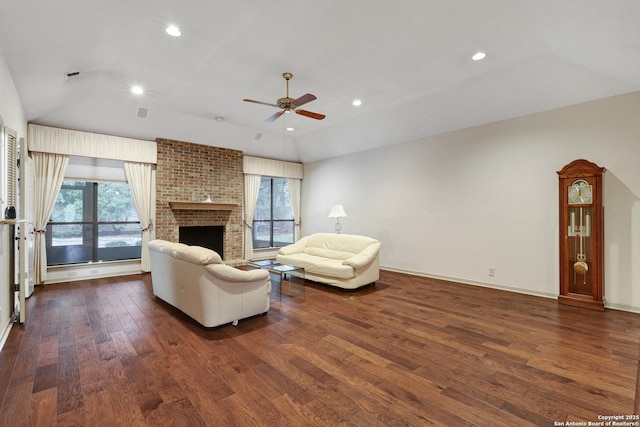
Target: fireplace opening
(207,236)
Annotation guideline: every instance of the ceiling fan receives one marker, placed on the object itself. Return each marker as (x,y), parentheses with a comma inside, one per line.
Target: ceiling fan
(289,104)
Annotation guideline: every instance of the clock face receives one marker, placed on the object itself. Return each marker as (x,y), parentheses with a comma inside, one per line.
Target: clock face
(580,193)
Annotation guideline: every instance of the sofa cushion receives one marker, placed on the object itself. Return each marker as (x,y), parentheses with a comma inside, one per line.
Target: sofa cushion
(319,265)
(340,242)
(328,253)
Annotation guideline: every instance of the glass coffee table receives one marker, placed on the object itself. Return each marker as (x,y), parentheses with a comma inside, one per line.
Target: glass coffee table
(288,278)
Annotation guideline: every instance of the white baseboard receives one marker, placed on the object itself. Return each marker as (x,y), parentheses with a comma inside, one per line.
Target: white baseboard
(5,334)
(474,282)
(611,306)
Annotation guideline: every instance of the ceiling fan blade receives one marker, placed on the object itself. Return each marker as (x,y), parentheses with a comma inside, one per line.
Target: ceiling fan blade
(274,117)
(260,102)
(311,114)
(303,100)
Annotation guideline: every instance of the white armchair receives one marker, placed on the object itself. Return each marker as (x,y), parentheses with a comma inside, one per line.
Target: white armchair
(194,280)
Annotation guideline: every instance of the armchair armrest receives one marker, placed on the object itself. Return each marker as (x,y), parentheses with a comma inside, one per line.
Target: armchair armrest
(231,274)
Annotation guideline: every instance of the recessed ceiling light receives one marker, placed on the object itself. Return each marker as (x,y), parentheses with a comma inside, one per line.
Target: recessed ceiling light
(218,119)
(173,31)
(137,90)
(356,103)
(478,56)
(290,129)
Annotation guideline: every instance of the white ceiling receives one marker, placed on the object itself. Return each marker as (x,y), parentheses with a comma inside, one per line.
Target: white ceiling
(408,60)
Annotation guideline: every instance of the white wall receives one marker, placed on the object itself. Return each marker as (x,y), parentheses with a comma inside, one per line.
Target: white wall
(13,116)
(454,205)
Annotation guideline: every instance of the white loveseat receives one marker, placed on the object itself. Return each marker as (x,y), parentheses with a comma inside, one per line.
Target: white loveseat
(344,260)
(194,280)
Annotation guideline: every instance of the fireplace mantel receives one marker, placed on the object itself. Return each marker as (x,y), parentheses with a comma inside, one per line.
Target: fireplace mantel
(202,206)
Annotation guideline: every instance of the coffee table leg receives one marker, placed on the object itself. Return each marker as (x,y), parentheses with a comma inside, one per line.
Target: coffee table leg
(277,279)
(296,284)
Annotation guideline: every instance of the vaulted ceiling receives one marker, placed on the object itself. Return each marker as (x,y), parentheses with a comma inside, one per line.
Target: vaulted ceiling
(408,61)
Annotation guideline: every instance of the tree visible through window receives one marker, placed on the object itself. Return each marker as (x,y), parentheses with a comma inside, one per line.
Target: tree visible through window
(273,222)
(93,222)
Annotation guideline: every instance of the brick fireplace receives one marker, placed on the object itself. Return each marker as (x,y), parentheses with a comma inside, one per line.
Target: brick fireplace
(186,172)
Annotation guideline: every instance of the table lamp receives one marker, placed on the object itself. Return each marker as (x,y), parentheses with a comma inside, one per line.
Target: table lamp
(337,211)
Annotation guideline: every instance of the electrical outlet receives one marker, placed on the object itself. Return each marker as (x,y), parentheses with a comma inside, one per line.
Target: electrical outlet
(72,273)
(492,271)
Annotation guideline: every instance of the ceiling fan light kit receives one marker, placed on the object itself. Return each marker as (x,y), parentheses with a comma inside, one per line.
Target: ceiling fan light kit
(288,105)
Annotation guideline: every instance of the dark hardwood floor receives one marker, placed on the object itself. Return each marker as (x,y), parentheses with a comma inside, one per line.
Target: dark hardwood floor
(409,351)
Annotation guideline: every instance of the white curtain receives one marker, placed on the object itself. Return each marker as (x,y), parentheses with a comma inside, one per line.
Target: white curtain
(139,177)
(251,190)
(294,194)
(49,173)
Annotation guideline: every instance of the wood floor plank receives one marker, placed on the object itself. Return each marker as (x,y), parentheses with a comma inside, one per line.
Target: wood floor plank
(43,408)
(9,357)
(407,351)
(15,406)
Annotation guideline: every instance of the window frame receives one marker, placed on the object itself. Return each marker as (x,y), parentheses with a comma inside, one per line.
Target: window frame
(90,219)
(272,221)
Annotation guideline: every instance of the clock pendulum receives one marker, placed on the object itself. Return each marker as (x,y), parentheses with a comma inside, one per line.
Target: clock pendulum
(580,266)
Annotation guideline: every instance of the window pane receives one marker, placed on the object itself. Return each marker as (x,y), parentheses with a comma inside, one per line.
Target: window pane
(115,203)
(117,235)
(281,199)
(261,234)
(70,244)
(282,233)
(66,235)
(69,204)
(119,241)
(263,207)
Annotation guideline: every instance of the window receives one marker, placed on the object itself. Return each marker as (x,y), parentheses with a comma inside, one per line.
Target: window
(93,222)
(273,222)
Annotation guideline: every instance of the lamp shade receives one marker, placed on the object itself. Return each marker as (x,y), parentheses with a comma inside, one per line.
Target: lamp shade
(337,211)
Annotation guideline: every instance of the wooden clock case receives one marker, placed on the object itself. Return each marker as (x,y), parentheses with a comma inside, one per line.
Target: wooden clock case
(581,238)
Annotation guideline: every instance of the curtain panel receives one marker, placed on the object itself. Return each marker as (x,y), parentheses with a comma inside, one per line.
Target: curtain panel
(49,173)
(251,190)
(47,139)
(140,179)
(294,193)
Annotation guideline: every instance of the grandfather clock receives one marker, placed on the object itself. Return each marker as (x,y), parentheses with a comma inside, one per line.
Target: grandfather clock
(581,235)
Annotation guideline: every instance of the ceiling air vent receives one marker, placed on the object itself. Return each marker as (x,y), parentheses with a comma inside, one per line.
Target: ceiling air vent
(142,112)
(71,76)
